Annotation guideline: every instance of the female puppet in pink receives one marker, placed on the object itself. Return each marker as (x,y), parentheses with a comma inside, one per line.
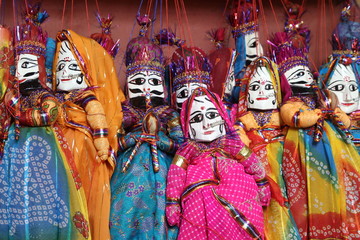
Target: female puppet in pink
(216,185)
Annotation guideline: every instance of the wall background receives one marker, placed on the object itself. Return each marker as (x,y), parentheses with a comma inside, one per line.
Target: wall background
(203,15)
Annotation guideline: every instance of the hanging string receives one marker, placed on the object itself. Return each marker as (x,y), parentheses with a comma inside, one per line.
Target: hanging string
(274,14)
(26,7)
(63,15)
(264,22)
(161,12)
(72,14)
(226,6)
(154,17)
(14,13)
(87,16)
(97,7)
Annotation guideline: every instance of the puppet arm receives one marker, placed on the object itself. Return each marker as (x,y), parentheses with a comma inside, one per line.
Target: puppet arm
(175,186)
(297,114)
(96,118)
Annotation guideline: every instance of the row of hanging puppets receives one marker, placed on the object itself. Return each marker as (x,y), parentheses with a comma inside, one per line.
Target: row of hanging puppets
(236,144)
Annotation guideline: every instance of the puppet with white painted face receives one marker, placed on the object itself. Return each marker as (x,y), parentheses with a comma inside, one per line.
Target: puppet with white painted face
(258,112)
(316,135)
(35,147)
(191,68)
(87,87)
(152,134)
(216,163)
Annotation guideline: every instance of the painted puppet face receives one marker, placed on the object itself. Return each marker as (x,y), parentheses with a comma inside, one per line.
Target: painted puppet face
(185,91)
(27,68)
(205,123)
(253,47)
(343,84)
(230,80)
(68,73)
(144,82)
(299,76)
(261,94)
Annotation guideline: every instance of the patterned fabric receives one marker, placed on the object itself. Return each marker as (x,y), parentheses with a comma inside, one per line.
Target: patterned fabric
(267,142)
(40,190)
(322,178)
(138,194)
(215,189)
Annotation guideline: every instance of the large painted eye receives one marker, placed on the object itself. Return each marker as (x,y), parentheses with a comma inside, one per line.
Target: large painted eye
(183,94)
(353,87)
(74,67)
(137,81)
(254,87)
(155,81)
(197,118)
(28,65)
(298,75)
(269,86)
(253,44)
(338,87)
(212,114)
(60,67)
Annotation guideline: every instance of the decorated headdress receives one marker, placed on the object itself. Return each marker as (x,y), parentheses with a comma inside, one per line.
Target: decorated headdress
(243,18)
(189,64)
(98,68)
(142,53)
(104,38)
(286,56)
(250,70)
(31,39)
(221,60)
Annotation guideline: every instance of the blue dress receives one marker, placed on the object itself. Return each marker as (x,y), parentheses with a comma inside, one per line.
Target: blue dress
(40,192)
(138,194)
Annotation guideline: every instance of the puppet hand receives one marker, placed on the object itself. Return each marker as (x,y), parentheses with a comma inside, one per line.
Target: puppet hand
(102,147)
(173,214)
(343,117)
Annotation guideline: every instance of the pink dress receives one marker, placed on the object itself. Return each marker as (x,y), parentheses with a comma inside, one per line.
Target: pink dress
(216,190)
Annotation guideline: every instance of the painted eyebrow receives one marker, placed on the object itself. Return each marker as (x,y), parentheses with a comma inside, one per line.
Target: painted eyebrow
(335,82)
(295,72)
(196,112)
(29,59)
(211,109)
(137,75)
(198,100)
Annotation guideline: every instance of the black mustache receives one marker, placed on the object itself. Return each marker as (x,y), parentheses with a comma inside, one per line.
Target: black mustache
(30,74)
(140,101)
(28,86)
(298,82)
(136,90)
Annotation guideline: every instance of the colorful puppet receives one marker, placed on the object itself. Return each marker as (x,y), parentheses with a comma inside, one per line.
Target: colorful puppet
(152,135)
(319,165)
(41,193)
(258,111)
(342,74)
(216,185)
(87,87)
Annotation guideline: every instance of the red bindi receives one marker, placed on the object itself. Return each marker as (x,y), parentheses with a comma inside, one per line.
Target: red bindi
(202,108)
